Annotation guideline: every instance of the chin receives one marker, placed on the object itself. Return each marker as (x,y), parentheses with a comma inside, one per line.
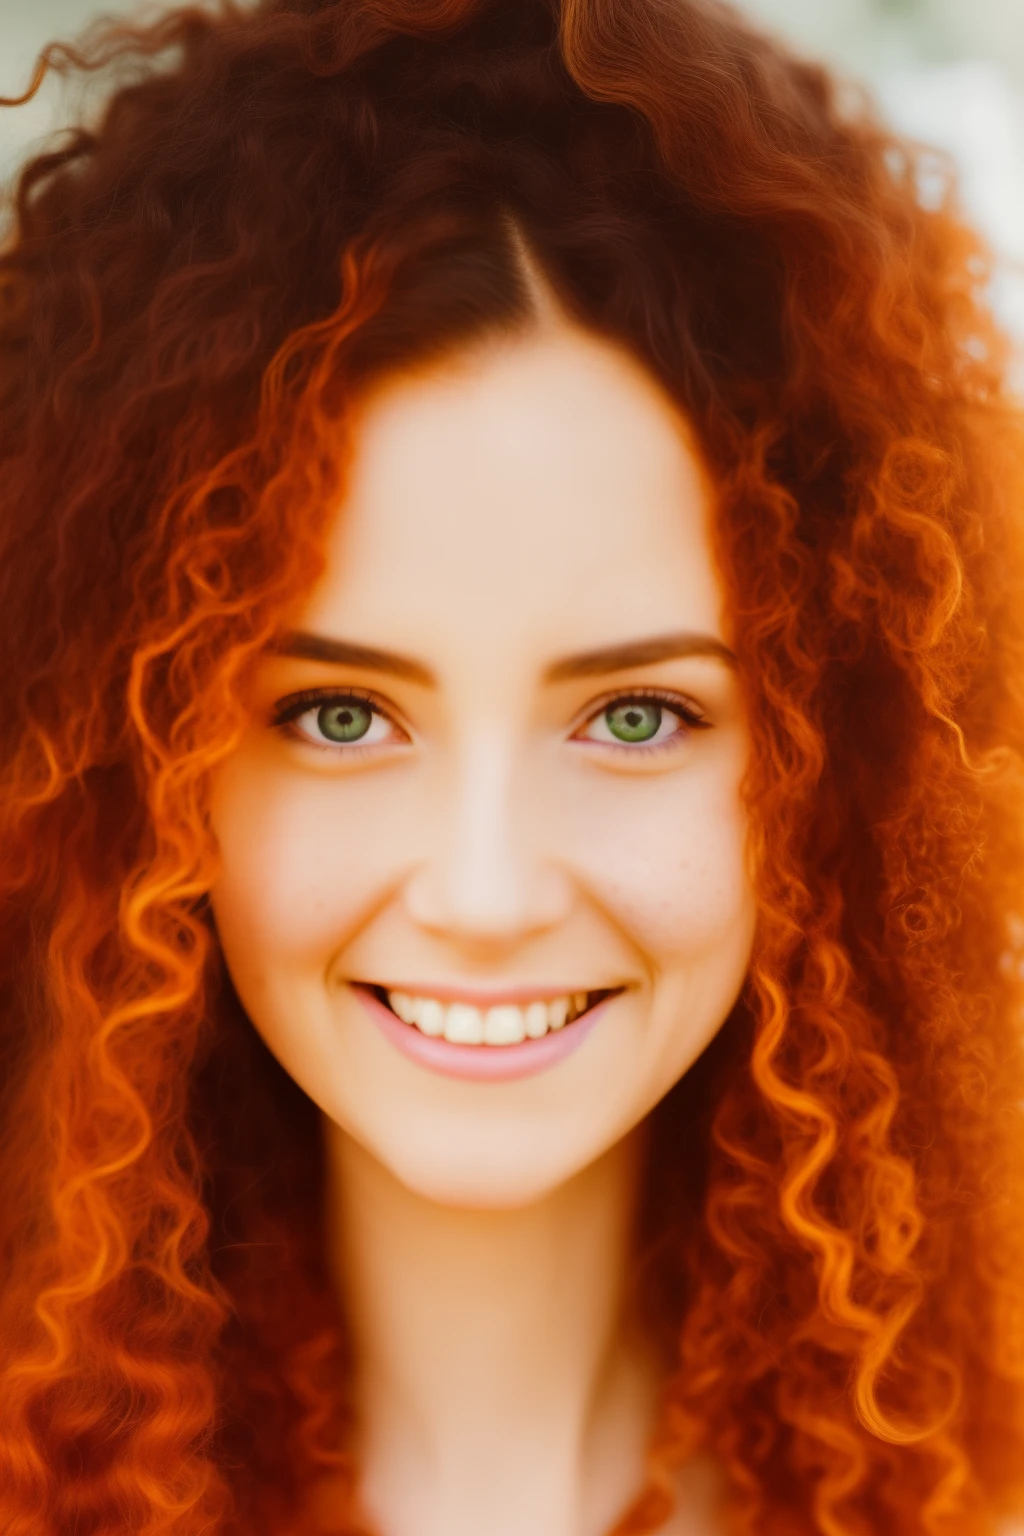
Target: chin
(494,1179)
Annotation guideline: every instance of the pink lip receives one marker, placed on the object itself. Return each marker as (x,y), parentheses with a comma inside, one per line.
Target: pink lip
(480,1063)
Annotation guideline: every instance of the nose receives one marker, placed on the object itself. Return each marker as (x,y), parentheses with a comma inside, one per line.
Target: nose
(488,881)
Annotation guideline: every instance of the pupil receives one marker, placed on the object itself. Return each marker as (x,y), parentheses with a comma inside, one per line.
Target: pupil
(344,722)
(634,722)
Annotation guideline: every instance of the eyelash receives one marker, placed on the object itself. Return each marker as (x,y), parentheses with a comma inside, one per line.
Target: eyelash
(292,708)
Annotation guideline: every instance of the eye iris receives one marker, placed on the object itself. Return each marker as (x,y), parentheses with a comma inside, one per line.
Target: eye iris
(344,722)
(634,722)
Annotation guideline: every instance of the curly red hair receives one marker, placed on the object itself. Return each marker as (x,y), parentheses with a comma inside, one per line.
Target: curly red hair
(274,206)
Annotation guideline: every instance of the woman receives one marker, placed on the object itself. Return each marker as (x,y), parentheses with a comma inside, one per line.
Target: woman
(512,578)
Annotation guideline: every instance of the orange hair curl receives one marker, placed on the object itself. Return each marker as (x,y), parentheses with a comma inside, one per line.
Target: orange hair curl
(276,205)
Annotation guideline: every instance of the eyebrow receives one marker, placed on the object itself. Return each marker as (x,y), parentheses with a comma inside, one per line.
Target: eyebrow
(348,653)
(610,658)
(638,653)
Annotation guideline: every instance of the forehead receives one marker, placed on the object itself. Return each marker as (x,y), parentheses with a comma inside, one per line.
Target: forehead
(543,483)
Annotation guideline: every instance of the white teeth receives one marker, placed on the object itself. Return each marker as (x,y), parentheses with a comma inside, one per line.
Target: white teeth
(429,1016)
(463,1025)
(558,1012)
(404,1006)
(504,1024)
(536,1020)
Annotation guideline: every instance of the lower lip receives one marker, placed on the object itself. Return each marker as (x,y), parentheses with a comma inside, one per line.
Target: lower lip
(480,1063)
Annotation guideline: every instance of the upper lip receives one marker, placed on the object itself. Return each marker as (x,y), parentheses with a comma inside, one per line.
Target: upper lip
(485,998)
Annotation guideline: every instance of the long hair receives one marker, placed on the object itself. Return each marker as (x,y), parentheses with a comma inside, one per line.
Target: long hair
(274,205)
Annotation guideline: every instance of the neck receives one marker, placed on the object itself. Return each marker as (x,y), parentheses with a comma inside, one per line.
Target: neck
(488,1342)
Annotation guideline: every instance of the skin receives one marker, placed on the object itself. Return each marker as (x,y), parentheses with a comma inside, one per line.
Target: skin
(529,500)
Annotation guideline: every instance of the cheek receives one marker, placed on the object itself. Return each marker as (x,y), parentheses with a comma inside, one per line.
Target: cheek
(671,868)
(297,872)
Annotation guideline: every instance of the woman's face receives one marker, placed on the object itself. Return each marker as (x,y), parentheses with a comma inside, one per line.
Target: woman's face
(491,781)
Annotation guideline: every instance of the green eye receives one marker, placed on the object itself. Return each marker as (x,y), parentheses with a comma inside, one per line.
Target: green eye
(347,720)
(642,720)
(335,720)
(633,721)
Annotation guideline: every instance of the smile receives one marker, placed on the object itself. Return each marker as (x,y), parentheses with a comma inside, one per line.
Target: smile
(484,1041)
(502,1024)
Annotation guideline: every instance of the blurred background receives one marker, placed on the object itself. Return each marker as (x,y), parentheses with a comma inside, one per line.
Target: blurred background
(949,73)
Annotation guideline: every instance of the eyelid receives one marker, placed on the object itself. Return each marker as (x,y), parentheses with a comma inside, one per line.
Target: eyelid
(291,708)
(688,709)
